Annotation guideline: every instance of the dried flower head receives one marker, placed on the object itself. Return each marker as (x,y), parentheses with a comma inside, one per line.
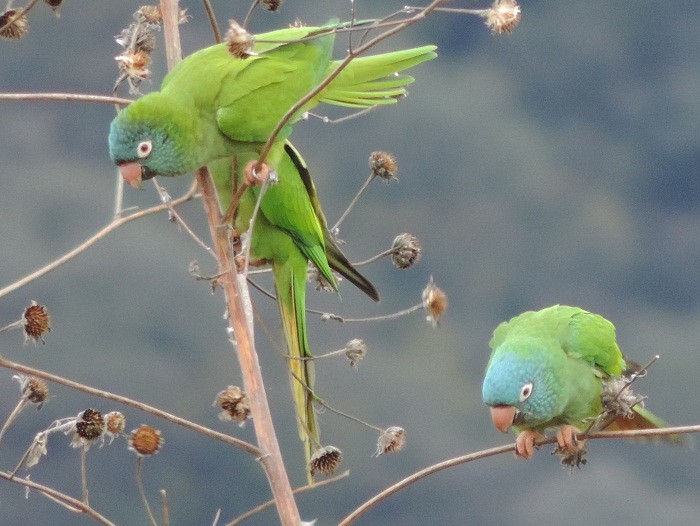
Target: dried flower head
(89,426)
(234,404)
(355,350)
(325,459)
(13,26)
(240,42)
(618,399)
(391,440)
(115,424)
(145,440)
(150,14)
(272,5)
(406,251)
(319,280)
(133,66)
(34,389)
(383,165)
(503,16)
(435,303)
(37,322)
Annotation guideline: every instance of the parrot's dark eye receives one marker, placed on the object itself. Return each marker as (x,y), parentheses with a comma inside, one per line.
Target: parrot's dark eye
(144,149)
(525,391)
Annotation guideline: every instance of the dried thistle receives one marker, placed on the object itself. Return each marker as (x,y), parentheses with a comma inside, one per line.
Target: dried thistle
(503,16)
(145,441)
(115,424)
(325,459)
(37,322)
(355,350)
(240,42)
(133,66)
(89,426)
(272,5)
(34,389)
(149,14)
(55,5)
(434,302)
(406,251)
(319,280)
(234,404)
(391,440)
(13,25)
(383,165)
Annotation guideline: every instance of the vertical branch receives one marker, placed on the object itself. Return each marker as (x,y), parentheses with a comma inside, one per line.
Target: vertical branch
(240,324)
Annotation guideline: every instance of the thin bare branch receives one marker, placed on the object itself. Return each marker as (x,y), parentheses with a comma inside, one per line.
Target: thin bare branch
(69,502)
(212,21)
(248,514)
(116,223)
(83,475)
(395,488)
(245,446)
(335,227)
(142,492)
(403,24)
(69,97)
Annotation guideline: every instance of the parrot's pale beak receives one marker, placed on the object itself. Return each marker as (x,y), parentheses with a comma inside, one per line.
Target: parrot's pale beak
(502,417)
(132,174)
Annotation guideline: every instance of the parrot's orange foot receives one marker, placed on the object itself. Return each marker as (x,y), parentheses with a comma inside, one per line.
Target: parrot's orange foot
(566,438)
(571,449)
(525,443)
(255,174)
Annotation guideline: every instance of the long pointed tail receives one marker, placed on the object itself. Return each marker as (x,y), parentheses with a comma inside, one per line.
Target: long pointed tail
(644,419)
(290,279)
(374,80)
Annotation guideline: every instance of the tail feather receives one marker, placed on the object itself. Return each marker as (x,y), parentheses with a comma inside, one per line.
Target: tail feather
(644,419)
(291,298)
(370,81)
(340,263)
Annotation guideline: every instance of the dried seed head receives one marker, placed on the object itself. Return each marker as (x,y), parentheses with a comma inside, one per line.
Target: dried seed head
(37,322)
(55,5)
(116,422)
(383,165)
(355,350)
(88,428)
(14,26)
(406,251)
(391,440)
(135,64)
(35,390)
(272,5)
(325,459)
(503,16)
(618,399)
(435,303)
(145,441)
(240,42)
(150,14)
(234,404)
(319,280)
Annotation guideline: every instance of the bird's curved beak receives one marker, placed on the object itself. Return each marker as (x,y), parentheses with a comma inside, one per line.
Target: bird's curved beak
(502,417)
(132,174)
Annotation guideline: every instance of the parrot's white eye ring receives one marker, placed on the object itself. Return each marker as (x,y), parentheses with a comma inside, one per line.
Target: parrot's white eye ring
(525,391)
(144,148)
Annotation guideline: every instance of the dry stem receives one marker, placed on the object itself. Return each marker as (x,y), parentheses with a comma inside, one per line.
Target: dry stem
(395,488)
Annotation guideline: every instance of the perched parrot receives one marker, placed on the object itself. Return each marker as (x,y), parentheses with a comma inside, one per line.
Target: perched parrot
(549,369)
(217,109)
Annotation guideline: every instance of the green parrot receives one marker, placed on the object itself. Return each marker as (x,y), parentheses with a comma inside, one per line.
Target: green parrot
(554,368)
(217,109)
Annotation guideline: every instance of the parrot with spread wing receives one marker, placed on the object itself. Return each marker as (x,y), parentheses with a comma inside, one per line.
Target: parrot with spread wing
(554,368)
(218,109)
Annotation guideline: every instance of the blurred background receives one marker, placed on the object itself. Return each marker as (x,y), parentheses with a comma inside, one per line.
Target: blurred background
(559,164)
